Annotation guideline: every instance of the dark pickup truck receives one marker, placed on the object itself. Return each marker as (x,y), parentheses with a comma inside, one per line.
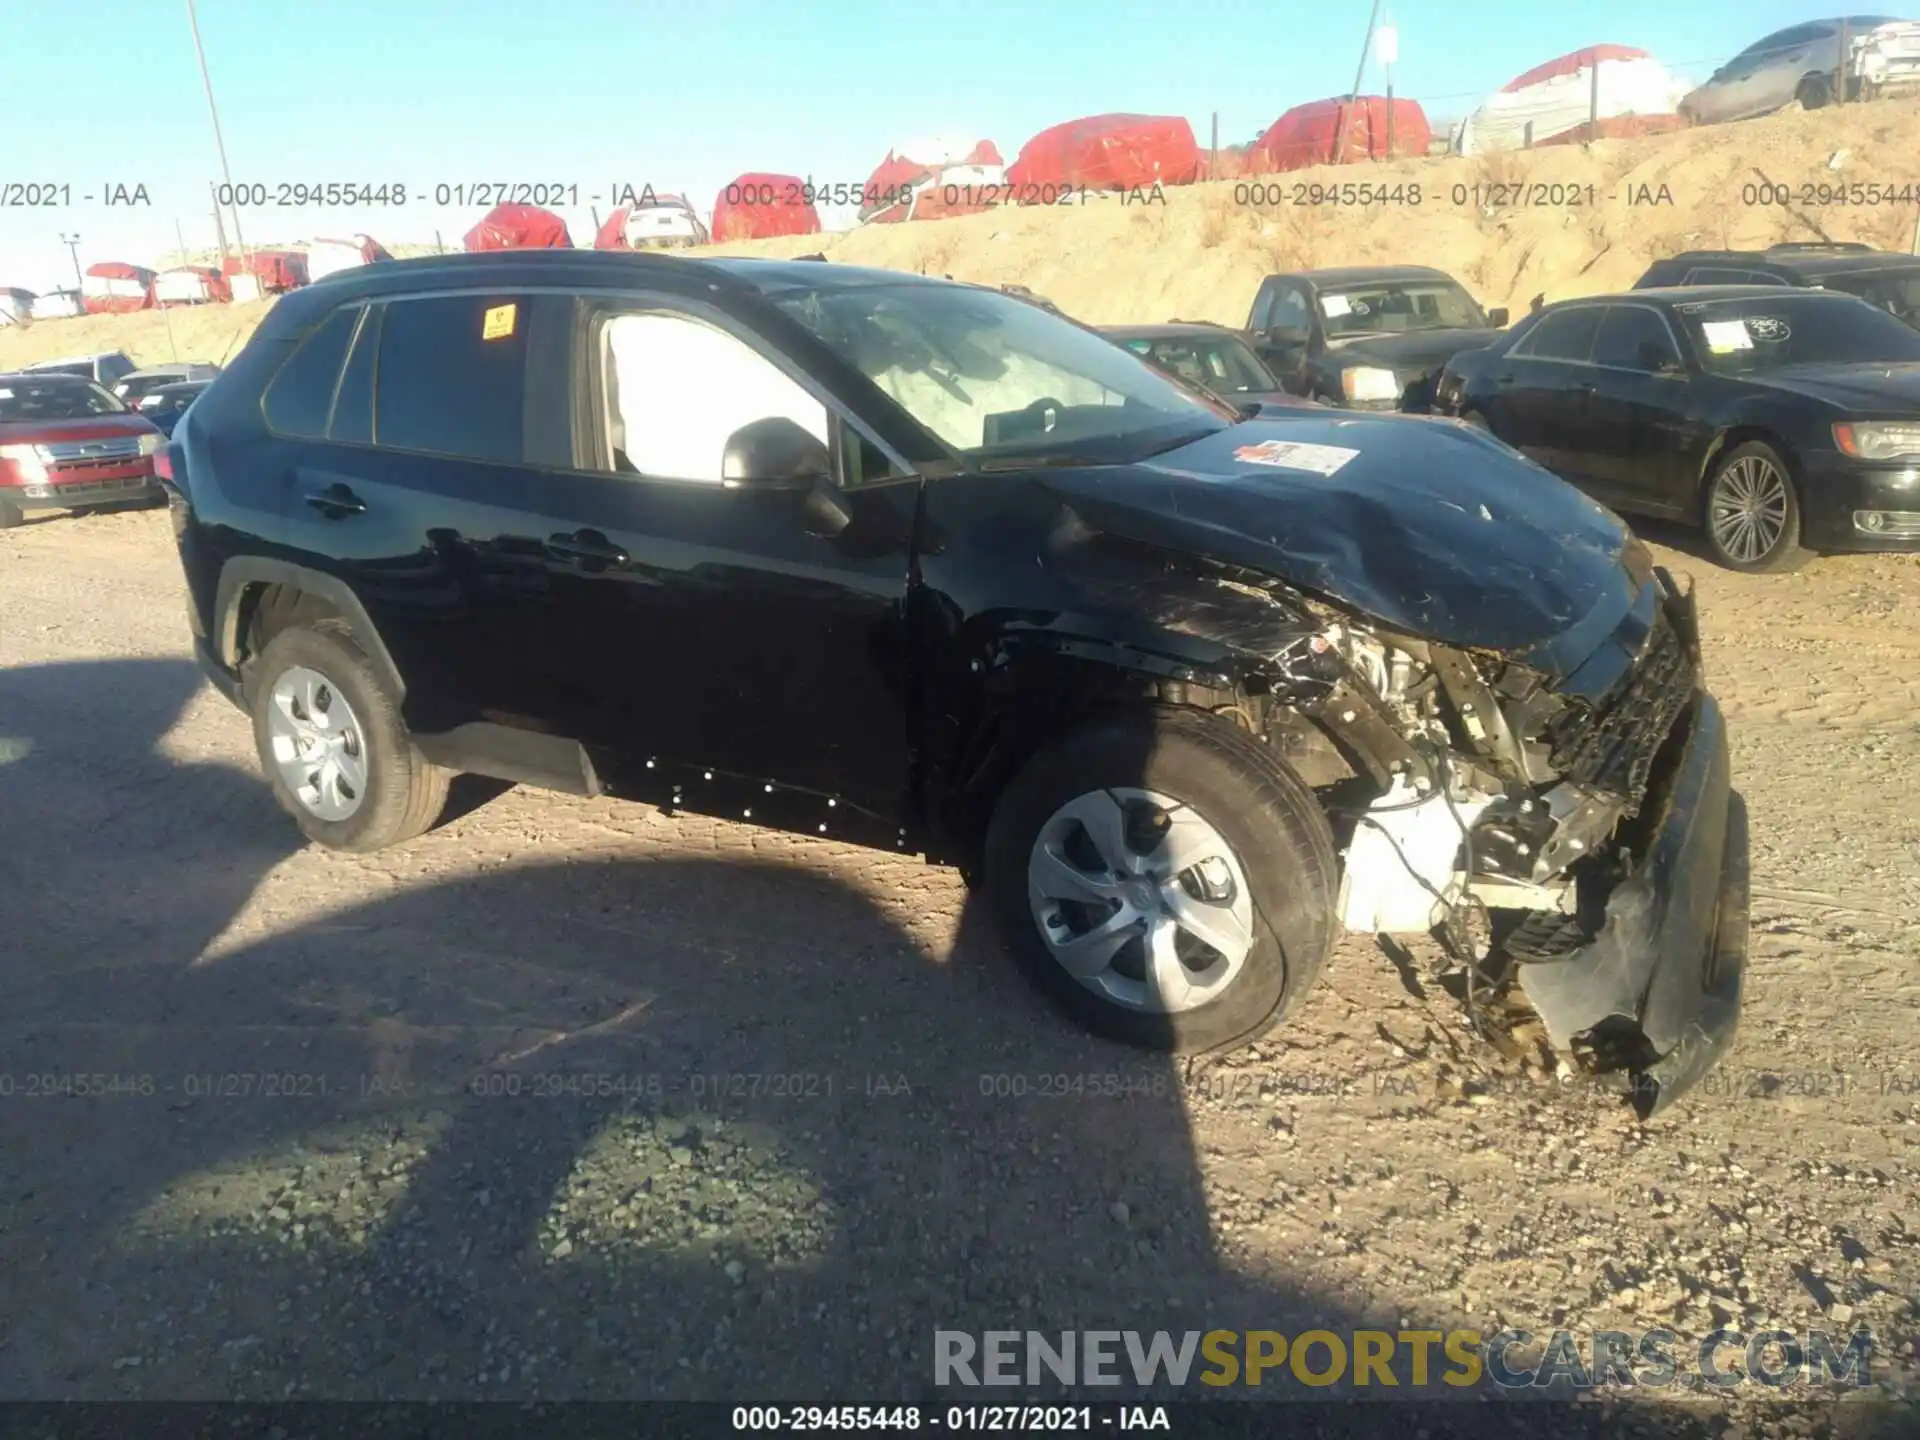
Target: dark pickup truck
(1369,337)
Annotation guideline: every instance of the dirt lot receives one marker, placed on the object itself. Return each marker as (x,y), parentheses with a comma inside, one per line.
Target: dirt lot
(332,1157)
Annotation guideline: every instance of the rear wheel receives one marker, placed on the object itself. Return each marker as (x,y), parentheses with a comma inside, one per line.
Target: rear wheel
(1752,513)
(10,515)
(333,745)
(1815,92)
(1164,881)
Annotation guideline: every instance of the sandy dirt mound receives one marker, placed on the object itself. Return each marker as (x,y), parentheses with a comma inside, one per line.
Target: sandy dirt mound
(1200,253)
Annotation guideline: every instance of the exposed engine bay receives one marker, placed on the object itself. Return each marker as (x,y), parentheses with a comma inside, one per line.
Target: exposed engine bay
(1475,800)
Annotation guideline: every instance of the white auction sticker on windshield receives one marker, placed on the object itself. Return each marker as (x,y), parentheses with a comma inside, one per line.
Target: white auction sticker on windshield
(1334,306)
(1726,336)
(1291,455)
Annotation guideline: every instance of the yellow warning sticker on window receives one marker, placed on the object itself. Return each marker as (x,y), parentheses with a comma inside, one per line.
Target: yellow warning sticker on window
(498,323)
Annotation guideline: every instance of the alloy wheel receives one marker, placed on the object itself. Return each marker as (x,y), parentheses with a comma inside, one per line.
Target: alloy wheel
(1141,899)
(1748,512)
(317,744)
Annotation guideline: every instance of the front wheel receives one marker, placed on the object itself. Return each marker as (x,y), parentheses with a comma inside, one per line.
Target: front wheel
(333,745)
(1164,881)
(1752,511)
(1815,93)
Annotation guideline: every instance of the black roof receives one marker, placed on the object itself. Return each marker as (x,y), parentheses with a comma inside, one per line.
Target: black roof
(1686,294)
(1366,274)
(180,387)
(587,268)
(48,377)
(1172,330)
(1802,261)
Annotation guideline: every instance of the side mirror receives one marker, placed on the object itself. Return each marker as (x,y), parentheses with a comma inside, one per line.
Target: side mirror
(773,454)
(1497,318)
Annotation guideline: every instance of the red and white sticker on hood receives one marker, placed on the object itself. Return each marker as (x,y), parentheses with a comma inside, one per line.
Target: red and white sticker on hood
(1293,455)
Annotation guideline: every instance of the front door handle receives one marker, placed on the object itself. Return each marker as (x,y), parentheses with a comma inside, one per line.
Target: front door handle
(586,545)
(336,502)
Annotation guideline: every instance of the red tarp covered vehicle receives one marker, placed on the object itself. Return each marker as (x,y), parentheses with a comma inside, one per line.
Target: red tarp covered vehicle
(758,205)
(191,285)
(277,270)
(519,227)
(932,179)
(113,286)
(1306,134)
(1105,152)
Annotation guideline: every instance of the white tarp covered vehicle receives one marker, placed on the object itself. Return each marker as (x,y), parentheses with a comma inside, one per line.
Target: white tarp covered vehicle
(329,257)
(1637,95)
(652,221)
(188,285)
(58,305)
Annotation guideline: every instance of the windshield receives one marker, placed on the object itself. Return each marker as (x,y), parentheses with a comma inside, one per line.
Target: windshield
(53,397)
(1742,337)
(997,378)
(1895,291)
(1220,363)
(1397,307)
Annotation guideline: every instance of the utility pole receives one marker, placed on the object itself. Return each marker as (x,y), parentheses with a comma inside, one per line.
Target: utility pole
(219,142)
(1359,74)
(72,242)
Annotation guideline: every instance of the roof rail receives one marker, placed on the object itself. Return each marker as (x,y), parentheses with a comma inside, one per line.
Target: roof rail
(1795,247)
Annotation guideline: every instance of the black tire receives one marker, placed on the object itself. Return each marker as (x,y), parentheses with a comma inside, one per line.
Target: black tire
(1786,552)
(1815,93)
(10,515)
(1262,809)
(404,793)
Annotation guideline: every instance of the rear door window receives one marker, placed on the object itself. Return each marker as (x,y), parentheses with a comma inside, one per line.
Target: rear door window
(1564,335)
(452,376)
(1632,337)
(301,396)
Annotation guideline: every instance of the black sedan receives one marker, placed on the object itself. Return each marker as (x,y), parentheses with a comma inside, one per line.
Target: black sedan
(1780,421)
(165,405)
(1210,356)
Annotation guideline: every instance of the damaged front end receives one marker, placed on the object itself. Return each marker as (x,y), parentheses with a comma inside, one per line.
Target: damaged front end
(1576,841)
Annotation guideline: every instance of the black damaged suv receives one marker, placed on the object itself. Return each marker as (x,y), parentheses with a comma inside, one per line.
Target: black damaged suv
(918,565)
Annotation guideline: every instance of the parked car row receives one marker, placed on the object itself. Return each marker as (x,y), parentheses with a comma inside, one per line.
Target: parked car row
(1772,398)
(68,441)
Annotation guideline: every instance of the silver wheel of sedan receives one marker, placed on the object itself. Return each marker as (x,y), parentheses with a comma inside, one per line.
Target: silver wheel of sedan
(1748,510)
(1141,900)
(317,743)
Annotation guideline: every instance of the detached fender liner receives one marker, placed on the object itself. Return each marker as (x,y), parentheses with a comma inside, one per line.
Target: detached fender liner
(1671,954)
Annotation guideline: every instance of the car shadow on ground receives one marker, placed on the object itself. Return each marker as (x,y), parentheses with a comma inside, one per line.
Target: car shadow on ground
(685,1127)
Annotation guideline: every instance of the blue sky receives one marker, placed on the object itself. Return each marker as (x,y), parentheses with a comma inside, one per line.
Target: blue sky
(685,95)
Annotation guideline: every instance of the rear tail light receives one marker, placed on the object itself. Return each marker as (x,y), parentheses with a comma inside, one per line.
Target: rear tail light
(163,463)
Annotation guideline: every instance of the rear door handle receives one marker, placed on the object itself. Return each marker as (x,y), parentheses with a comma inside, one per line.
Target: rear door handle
(588,545)
(337,502)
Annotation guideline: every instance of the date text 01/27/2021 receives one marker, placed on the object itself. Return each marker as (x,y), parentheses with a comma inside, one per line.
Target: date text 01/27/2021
(1044,1419)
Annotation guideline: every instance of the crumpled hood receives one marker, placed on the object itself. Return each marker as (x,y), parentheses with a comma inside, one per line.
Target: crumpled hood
(1416,350)
(1866,387)
(1428,526)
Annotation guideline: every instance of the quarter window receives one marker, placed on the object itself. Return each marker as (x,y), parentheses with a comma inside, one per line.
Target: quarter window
(301,396)
(452,377)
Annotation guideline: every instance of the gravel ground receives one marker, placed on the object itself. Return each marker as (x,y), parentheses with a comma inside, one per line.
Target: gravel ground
(570,1099)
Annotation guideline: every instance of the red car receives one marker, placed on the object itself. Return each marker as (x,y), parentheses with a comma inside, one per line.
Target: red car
(67,442)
